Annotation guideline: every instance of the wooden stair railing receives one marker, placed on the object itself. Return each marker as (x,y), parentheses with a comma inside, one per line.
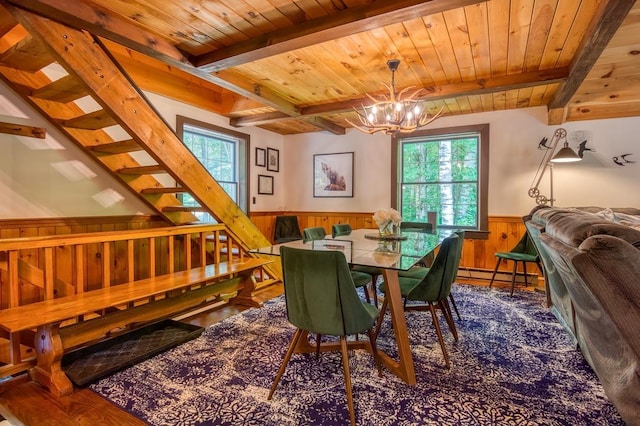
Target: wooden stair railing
(123,257)
(92,71)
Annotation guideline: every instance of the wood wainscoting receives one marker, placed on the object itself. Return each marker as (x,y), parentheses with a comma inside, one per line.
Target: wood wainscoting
(478,259)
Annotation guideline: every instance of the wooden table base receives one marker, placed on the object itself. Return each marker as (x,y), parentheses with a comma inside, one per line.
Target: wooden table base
(403,367)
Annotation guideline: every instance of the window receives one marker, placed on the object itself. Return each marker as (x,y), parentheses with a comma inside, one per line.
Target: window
(223,153)
(446,171)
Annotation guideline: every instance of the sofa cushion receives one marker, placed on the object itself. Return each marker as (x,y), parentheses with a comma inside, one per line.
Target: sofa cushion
(573,228)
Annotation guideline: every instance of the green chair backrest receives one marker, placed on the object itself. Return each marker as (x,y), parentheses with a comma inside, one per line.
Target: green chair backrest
(286,229)
(460,234)
(416,226)
(339,229)
(436,284)
(320,294)
(316,233)
(525,245)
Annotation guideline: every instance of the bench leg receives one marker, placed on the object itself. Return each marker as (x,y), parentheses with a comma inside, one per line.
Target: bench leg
(245,296)
(49,372)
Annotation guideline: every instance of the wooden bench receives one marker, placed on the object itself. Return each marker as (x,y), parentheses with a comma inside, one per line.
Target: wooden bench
(58,327)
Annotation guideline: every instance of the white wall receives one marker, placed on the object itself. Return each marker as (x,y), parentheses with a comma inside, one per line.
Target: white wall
(514,160)
(52,177)
(55,178)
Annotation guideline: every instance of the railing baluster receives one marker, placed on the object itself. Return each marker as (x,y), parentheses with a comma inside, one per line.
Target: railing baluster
(49,274)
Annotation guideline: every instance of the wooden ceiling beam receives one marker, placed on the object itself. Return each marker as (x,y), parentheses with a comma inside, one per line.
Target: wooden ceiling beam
(432,93)
(612,14)
(342,24)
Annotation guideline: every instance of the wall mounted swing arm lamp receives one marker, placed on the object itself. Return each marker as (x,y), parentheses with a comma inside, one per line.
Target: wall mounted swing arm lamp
(564,155)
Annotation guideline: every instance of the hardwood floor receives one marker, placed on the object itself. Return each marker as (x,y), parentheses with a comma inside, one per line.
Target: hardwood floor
(24,402)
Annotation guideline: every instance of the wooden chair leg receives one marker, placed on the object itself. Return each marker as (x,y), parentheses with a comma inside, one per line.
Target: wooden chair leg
(347,378)
(374,289)
(436,324)
(455,308)
(513,276)
(385,302)
(495,271)
(448,316)
(366,294)
(318,339)
(526,280)
(285,361)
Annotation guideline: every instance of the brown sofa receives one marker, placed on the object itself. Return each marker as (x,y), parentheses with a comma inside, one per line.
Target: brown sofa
(591,258)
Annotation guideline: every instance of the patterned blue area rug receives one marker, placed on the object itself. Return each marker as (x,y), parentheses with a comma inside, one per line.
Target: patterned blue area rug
(513,364)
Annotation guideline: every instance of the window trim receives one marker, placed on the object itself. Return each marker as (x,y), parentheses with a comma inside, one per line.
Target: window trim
(483,159)
(244,181)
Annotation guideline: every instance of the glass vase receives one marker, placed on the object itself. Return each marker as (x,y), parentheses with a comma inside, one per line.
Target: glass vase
(385,228)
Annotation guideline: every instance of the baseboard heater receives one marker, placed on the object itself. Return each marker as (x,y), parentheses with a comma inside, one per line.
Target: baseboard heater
(90,363)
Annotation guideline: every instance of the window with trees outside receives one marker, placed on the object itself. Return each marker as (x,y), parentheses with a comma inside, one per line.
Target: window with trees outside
(223,153)
(446,171)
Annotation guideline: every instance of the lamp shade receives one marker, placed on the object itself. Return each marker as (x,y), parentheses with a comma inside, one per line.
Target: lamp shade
(565,155)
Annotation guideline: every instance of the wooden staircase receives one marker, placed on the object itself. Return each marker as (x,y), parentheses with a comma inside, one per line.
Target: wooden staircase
(34,49)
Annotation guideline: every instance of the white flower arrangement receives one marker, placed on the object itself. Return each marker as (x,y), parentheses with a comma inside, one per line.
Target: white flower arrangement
(384,216)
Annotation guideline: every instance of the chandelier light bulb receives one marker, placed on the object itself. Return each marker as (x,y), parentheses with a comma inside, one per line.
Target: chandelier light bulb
(398,107)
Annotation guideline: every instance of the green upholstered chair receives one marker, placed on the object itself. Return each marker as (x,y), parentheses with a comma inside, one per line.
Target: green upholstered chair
(433,289)
(418,272)
(360,279)
(322,303)
(286,229)
(315,233)
(525,251)
(416,226)
(339,229)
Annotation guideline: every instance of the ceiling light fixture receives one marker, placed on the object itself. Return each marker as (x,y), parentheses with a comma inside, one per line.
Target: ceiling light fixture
(395,114)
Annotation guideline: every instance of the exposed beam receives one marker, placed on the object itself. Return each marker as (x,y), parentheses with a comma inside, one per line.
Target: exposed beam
(342,24)
(612,14)
(325,124)
(556,116)
(432,93)
(21,130)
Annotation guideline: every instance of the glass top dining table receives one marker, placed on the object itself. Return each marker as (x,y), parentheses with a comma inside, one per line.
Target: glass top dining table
(363,247)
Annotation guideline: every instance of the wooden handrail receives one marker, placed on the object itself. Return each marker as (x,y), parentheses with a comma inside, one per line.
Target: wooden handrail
(104,236)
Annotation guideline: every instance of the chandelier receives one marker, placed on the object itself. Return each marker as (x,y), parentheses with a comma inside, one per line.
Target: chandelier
(397,114)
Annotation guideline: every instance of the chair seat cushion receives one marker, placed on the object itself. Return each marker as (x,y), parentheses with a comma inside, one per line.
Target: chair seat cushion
(406,285)
(371,270)
(524,257)
(360,279)
(417,272)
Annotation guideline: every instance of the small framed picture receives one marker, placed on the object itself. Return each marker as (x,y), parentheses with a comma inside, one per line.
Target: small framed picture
(261,157)
(273,160)
(265,184)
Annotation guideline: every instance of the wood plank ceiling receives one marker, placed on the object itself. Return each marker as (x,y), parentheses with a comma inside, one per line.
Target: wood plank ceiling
(301,66)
